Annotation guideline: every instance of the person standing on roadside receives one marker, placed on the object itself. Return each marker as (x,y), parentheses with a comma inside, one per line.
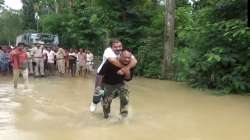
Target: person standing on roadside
(72,62)
(51,61)
(60,61)
(90,62)
(37,52)
(82,62)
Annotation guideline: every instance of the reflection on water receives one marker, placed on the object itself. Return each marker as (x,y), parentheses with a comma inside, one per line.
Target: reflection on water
(6,107)
(57,109)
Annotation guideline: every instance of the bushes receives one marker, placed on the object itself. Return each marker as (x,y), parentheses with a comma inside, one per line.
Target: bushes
(223,60)
(182,58)
(220,49)
(150,56)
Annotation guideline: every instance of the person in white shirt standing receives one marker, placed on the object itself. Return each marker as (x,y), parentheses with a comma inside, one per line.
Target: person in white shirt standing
(30,61)
(37,52)
(45,60)
(82,62)
(72,62)
(90,62)
(60,61)
(51,61)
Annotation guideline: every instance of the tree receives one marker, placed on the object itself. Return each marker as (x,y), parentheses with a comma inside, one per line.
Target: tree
(216,46)
(10,26)
(56,6)
(181,3)
(1,4)
(169,38)
(29,9)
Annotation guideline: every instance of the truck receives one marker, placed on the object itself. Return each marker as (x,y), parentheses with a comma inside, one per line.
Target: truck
(33,38)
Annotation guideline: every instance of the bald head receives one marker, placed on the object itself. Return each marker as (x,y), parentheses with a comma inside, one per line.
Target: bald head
(125,57)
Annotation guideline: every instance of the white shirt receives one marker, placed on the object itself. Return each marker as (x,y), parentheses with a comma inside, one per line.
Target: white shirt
(81,58)
(45,54)
(90,57)
(51,56)
(73,54)
(108,53)
(37,52)
(28,54)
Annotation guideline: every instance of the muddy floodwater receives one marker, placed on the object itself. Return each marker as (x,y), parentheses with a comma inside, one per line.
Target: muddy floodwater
(58,109)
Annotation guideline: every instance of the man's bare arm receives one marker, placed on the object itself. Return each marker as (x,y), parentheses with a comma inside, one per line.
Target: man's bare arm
(125,69)
(115,62)
(132,63)
(127,76)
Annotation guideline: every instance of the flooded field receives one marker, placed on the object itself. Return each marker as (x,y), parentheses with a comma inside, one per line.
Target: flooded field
(58,109)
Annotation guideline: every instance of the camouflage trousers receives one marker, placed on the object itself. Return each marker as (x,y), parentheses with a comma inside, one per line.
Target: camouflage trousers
(113,91)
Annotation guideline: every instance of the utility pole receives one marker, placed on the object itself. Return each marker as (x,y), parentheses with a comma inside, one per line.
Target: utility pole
(37,19)
(169,37)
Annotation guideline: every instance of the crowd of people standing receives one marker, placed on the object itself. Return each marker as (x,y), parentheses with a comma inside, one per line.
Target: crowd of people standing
(45,60)
(5,62)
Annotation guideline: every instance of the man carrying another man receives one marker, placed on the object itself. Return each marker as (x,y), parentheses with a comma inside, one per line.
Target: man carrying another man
(110,54)
(114,84)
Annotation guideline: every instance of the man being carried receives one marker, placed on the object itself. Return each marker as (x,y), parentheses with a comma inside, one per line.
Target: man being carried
(114,84)
(110,54)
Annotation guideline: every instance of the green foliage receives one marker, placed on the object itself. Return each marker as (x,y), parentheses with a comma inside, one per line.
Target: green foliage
(220,47)
(10,26)
(29,13)
(1,2)
(182,58)
(52,23)
(222,63)
(182,3)
(85,27)
(184,26)
(150,56)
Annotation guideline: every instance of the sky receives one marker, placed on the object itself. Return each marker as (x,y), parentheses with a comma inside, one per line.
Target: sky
(17,4)
(14,4)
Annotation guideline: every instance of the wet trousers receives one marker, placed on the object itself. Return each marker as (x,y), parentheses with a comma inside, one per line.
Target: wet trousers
(61,65)
(113,91)
(51,68)
(16,74)
(30,64)
(97,96)
(39,69)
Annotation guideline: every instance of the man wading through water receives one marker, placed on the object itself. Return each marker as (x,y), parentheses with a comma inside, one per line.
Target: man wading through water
(110,54)
(114,84)
(19,59)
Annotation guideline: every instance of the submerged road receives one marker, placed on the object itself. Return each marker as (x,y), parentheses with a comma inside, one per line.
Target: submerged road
(57,109)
